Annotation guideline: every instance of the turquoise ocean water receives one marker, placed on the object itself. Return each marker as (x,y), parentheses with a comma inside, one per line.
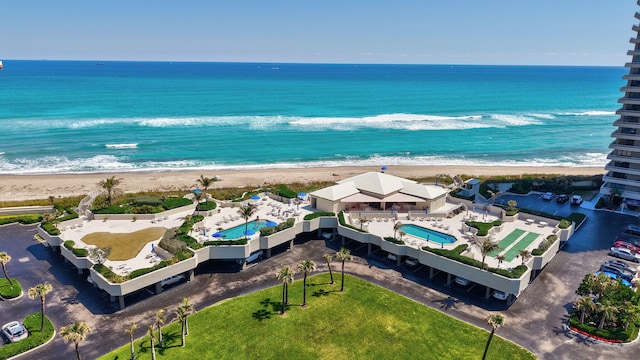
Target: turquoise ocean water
(82,116)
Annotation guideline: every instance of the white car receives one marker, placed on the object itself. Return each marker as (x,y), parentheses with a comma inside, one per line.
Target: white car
(462,281)
(625,254)
(500,295)
(171,280)
(14,331)
(576,200)
(548,196)
(411,261)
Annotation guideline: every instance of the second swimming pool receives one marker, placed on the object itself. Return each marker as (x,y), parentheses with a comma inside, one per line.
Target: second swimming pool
(237,232)
(428,234)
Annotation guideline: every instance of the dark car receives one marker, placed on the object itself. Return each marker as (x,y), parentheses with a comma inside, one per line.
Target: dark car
(562,198)
(623,274)
(618,264)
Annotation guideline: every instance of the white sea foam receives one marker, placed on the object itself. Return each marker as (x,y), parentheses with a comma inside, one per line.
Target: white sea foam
(588,113)
(121,146)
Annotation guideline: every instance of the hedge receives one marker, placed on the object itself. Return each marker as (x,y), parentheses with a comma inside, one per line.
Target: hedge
(10,291)
(206,206)
(35,339)
(241,241)
(50,228)
(394,240)
(483,227)
(113,209)
(455,254)
(22,219)
(268,230)
(544,245)
(344,223)
(69,244)
(318,214)
(577,218)
(613,334)
(286,192)
(176,202)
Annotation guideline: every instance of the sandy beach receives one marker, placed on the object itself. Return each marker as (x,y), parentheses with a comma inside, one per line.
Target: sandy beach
(23,187)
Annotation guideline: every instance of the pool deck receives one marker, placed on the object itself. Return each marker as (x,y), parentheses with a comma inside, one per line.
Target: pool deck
(456,226)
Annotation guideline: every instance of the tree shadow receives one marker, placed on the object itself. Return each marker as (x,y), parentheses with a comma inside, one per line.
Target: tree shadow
(447,303)
(321,292)
(261,314)
(169,338)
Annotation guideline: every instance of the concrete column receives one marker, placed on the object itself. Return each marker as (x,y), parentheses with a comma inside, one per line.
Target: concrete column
(342,240)
(487,293)
(268,253)
(191,275)
(369,249)
(244,264)
(121,299)
(449,279)
(432,272)
(112,298)
(399,260)
(158,287)
(290,244)
(80,271)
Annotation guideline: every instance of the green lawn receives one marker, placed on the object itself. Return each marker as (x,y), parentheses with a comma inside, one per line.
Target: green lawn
(508,240)
(522,244)
(10,291)
(364,322)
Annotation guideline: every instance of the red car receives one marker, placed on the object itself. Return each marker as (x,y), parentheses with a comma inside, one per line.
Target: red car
(626,245)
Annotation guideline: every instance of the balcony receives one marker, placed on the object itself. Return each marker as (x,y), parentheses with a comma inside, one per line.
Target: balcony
(622,135)
(634,40)
(613,180)
(633,52)
(631,77)
(623,170)
(632,65)
(625,112)
(629,100)
(629,159)
(630,89)
(627,123)
(617,146)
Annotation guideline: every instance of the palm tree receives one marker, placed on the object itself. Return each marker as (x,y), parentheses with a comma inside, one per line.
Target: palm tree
(305,267)
(152,340)
(396,227)
(4,259)
(75,332)
(512,203)
(110,185)
(205,182)
(525,255)
(584,304)
(362,220)
(246,212)
(328,259)
(496,321)
(631,312)
(486,246)
(40,291)
(160,319)
(601,283)
(286,276)
(343,255)
(130,331)
(607,312)
(183,313)
(500,259)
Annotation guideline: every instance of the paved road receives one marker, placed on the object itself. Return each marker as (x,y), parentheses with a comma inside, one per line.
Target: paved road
(534,321)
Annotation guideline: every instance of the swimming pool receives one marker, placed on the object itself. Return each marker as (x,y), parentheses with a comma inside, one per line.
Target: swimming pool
(237,232)
(428,234)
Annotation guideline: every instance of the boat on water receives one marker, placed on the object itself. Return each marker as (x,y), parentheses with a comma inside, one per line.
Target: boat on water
(1,66)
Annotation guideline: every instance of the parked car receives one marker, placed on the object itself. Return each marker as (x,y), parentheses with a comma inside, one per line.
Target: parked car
(14,331)
(632,230)
(614,277)
(631,239)
(462,281)
(617,263)
(500,295)
(255,256)
(625,254)
(562,198)
(624,274)
(411,261)
(171,280)
(626,245)
(576,200)
(548,196)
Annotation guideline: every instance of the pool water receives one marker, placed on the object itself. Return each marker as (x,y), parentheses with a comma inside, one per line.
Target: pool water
(237,232)
(427,234)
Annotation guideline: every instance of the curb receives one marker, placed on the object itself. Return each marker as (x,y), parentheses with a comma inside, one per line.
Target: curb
(37,347)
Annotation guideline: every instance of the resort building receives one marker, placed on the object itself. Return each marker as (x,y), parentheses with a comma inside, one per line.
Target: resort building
(389,218)
(623,170)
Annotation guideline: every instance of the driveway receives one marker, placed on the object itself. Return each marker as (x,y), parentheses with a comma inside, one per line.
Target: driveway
(534,321)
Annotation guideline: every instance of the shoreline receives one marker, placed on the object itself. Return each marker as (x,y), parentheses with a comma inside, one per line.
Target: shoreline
(27,187)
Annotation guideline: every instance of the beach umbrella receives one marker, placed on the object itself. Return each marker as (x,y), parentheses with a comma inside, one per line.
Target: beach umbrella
(255,197)
(271,223)
(302,194)
(249,232)
(218,234)
(384,168)
(197,191)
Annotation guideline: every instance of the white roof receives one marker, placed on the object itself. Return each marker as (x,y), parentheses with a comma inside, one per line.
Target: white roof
(387,187)
(336,192)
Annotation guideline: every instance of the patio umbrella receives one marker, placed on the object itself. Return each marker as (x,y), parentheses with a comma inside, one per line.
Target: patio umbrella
(249,232)
(197,191)
(271,223)
(302,194)
(218,234)
(255,197)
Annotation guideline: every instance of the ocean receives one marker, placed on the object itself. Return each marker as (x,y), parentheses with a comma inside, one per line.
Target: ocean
(83,116)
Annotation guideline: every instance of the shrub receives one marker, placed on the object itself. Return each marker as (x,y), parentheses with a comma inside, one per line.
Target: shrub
(456,254)
(170,243)
(10,291)
(145,209)
(612,334)
(22,219)
(69,244)
(146,200)
(318,214)
(394,240)
(544,245)
(50,228)
(108,274)
(577,218)
(241,241)
(206,206)
(35,339)
(176,202)
(114,209)
(268,230)
(286,192)
(483,227)
(564,223)
(344,223)
(71,214)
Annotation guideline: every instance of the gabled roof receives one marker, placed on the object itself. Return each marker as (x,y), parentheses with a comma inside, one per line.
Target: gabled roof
(377,183)
(422,191)
(336,192)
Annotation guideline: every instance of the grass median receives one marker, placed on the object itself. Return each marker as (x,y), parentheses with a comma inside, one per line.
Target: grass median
(364,322)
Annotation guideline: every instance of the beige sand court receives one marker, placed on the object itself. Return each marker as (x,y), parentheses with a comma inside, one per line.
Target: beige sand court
(124,246)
